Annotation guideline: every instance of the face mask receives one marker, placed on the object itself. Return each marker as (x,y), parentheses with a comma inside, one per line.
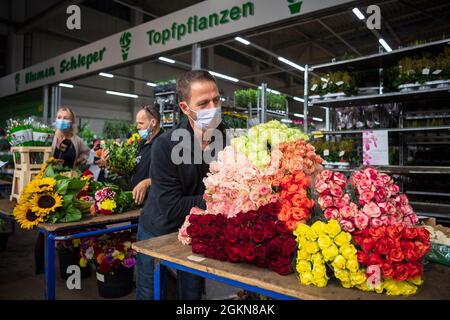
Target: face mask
(145,133)
(208,118)
(63,124)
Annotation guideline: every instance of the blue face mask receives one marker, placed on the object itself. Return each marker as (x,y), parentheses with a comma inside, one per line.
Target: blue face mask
(145,133)
(63,124)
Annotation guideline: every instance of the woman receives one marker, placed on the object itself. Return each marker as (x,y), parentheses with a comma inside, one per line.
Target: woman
(68,148)
(71,151)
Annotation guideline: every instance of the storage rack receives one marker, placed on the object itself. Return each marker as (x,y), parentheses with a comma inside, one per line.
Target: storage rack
(421,135)
(166,98)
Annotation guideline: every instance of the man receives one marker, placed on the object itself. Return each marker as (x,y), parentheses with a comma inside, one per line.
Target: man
(148,124)
(177,186)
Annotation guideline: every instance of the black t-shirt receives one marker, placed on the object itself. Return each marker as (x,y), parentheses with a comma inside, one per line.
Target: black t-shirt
(66,152)
(144,159)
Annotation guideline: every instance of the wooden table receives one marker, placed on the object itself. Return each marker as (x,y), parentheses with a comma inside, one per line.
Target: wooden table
(168,251)
(51,231)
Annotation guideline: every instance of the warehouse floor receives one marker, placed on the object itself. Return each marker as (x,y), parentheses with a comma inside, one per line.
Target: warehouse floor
(18,279)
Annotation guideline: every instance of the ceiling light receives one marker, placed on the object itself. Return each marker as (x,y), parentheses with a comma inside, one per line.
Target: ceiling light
(219,75)
(128,95)
(299,115)
(292,64)
(317,119)
(65,85)
(151,84)
(107,75)
(299,99)
(166,60)
(242,40)
(384,44)
(358,14)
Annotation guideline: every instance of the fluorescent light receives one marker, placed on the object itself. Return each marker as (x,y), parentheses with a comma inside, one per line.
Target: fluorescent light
(358,14)
(223,99)
(65,85)
(384,44)
(292,64)
(299,99)
(129,95)
(286,120)
(219,75)
(299,115)
(317,119)
(151,84)
(274,91)
(166,60)
(242,40)
(107,75)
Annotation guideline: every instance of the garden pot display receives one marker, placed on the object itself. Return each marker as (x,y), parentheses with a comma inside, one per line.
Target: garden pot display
(115,284)
(68,258)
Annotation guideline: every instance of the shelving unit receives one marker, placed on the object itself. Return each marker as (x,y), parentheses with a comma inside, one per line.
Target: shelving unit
(430,129)
(166,98)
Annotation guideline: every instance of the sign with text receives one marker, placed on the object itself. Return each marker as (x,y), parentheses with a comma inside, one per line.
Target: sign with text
(201,22)
(375,148)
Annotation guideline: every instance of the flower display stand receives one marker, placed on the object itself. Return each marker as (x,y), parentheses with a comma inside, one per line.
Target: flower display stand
(115,284)
(27,164)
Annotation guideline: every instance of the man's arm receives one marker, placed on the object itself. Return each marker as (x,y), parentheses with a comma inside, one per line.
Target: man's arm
(166,185)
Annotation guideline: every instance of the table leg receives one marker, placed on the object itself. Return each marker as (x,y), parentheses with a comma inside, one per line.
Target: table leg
(49,266)
(157,281)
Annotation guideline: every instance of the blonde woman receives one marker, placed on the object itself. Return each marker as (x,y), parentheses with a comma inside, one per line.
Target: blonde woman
(68,148)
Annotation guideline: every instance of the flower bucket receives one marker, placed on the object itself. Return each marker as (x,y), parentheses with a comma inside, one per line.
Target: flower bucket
(115,284)
(68,258)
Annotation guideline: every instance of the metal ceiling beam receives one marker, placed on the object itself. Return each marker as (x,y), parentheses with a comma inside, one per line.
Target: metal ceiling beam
(314,42)
(392,32)
(425,12)
(45,14)
(137,9)
(339,37)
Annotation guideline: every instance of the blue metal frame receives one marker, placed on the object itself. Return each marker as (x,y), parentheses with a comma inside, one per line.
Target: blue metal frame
(157,281)
(51,237)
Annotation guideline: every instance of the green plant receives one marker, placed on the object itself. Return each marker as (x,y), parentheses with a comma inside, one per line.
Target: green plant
(276,102)
(234,120)
(245,96)
(114,129)
(86,134)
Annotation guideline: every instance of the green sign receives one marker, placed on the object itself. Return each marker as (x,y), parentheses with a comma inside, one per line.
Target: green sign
(39,75)
(80,61)
(17,77)
(194,23)
(125,42)
(295,6)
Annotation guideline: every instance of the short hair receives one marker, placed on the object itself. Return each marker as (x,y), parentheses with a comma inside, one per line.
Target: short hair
(73,128)
(153,112)
(185,81)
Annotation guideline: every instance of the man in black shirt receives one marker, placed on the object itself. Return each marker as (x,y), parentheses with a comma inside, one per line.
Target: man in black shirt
(180,161)
(148,124)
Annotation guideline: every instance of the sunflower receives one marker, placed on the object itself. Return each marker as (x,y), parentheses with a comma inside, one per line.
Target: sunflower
(40,185)
(45,203)
(25,216)
(50,160)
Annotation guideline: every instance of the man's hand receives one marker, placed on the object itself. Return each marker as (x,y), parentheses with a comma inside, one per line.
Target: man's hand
(140,191)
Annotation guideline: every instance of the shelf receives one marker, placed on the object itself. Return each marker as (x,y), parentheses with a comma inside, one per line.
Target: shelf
(164,93)
(383,98)
(404,169)
(390,130)
(380,60)
(168,111)
(425,193)
(432,209)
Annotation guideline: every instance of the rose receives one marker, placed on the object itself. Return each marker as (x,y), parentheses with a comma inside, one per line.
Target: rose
(414,270)
(326,175)
(336,191)
(339,179)
(375,259)
(375,222)
(349,211)
(347,225)
(387,269)
(367,195)
(352,265)
(361,220)
(348,251)
(409,250)
(423,235)
(325,202)
(395,255)
(381,246)
(411,220)
(330,252)
(380,194)
(331,213)
(393,188)
(288,247)
(409,233)
(395,232)
(321,187)
(367,244)
(401,273)
(363,257)
(384,178)
(371,210)
(342,202)
(406,209)
(371,173)
(357,176)
(421,248)
(363,185)
(342,239)
(377,232)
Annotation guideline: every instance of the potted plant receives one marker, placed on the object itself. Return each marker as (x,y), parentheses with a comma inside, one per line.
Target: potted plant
(114,261)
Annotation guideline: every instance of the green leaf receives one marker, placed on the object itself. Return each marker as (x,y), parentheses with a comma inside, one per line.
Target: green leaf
(54,217)
(49,172)
(68,200)
(76,184)
(72,214)
(62,185)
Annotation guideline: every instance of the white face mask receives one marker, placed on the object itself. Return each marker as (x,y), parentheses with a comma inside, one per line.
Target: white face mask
(208,118)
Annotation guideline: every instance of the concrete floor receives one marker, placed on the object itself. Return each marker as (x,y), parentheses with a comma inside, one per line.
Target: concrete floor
(18,279)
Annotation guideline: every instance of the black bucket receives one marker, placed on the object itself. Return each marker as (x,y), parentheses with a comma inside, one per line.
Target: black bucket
(117,284)
(68,258)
